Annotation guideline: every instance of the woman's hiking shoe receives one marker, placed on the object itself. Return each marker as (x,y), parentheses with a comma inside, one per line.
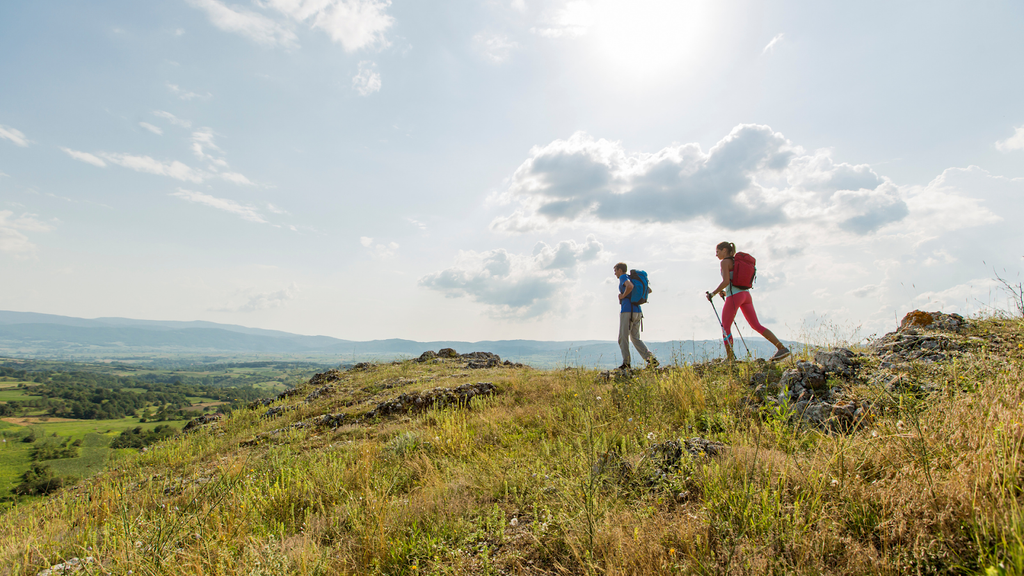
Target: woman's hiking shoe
(780,355)
(623,367)
(652,362)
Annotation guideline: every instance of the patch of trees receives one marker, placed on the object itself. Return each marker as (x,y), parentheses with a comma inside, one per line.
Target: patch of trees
(39,480)
(139,438)
(53,449)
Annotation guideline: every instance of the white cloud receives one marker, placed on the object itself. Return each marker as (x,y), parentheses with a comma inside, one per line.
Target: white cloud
(202,142)
(519,5)
(775,41)
(253,25)
(173,119)
(186,94)
(245,212)
(571,21)
(151,128)
(513,285)
(417,223)
(173,169)
(367,81)
(753,178)
(1015,142)
(13,241)
(84,157)
(495,47)
(263,300)
(954,201)
(14,135)
(355,24)
(236,178)
(379,251)
(207,150)
(567,255)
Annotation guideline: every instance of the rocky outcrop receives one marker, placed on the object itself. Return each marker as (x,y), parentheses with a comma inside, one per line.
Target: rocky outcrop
(913,344)
(402,404)
(839,362)
(804,392)
(933,321)
(434,398)
(201,422)
(473,359)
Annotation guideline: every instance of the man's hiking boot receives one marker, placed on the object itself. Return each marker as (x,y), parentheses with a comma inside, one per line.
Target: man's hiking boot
(623,367)
(780,355)
(652,362)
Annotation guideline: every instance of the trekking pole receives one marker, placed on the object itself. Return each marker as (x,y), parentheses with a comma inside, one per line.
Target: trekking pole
(737,326)
(725,336)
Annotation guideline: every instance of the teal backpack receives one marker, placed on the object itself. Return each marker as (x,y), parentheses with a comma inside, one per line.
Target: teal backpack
(641,287)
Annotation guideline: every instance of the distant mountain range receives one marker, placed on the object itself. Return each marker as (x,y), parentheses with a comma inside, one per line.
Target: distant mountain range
(28,334)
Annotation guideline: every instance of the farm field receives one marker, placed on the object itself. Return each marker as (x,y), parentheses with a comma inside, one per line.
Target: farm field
(93,454)
(203,388)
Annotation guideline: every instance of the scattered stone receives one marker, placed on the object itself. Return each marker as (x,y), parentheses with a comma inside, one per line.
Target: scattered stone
(666,456)
(427,356)
(201,421)
(319,392)
(277,411)
(261,403)
(612,464)
(447,353)
(67,567)
(361,367)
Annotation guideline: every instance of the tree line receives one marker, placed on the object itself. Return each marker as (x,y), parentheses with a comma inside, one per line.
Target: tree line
(92,396)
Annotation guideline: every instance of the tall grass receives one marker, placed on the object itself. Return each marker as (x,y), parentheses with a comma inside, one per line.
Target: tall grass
(551,476)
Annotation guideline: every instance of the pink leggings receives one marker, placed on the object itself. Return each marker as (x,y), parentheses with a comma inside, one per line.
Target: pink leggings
(742,301)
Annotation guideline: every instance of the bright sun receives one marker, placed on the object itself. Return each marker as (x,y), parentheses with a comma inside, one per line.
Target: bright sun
(646,39)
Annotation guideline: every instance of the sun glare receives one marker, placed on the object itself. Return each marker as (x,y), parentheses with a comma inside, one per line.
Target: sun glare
(645,40)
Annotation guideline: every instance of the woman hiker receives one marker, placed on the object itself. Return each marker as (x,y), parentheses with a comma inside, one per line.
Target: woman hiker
(739,298)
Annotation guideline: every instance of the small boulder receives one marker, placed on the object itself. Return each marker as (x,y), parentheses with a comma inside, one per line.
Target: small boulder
(838,361)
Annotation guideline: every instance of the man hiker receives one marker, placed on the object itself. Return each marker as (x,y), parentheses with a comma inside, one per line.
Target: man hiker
(629,321)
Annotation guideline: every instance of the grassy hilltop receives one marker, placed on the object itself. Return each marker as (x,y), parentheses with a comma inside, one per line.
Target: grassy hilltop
(915,464)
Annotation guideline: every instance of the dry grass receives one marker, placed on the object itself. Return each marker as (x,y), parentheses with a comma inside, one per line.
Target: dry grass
(517,483)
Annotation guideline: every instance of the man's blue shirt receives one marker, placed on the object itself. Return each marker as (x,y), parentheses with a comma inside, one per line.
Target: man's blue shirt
(626,305)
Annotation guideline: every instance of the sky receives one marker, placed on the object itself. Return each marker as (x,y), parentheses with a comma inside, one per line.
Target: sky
(472,170)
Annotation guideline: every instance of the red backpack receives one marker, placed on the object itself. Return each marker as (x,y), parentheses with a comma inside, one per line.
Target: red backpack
(743,270)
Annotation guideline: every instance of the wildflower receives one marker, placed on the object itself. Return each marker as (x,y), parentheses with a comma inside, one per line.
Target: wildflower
(835,482)
(650,436)
(514,522)
(598,397)
(630,420)
(672,551)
